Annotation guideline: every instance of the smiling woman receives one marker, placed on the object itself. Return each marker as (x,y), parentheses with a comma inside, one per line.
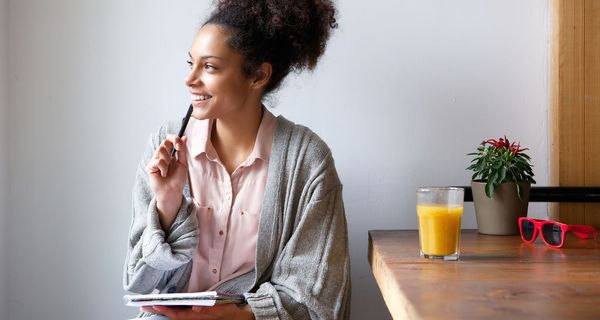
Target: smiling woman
(218,86)
(252,204)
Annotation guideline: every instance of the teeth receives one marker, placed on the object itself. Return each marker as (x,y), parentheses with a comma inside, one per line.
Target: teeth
(200,97)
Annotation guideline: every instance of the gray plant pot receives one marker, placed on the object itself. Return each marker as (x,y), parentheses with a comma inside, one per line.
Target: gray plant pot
(500,215)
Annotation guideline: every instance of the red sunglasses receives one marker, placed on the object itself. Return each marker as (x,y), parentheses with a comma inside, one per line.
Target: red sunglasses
(553,233)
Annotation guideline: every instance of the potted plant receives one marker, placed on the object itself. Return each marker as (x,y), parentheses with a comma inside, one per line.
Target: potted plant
(501,180)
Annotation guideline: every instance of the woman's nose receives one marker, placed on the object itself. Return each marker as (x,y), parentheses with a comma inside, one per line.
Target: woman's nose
(193,78)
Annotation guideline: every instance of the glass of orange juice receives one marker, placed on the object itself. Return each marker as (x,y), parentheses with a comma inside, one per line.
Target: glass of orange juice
(440,210)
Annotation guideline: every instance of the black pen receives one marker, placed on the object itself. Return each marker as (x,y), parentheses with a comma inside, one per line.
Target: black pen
(184,123)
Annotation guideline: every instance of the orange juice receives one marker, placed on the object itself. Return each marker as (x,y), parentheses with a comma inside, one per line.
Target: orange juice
(439,229)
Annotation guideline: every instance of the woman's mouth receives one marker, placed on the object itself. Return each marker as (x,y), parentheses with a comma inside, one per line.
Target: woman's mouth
(199,99)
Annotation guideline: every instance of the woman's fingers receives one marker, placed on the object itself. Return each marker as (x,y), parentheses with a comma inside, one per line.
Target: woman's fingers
(147,309)
(162,156)
(173,141)
(199,308)
(164,150)
(174,313)
(181,146)
(160,166)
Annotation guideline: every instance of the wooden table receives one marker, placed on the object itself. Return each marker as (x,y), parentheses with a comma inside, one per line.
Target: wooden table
(497,277)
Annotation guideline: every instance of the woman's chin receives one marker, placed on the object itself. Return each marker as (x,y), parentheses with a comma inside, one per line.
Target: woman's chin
(199,114)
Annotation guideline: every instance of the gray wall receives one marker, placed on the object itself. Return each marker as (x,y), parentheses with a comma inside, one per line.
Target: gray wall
(3,155)
(405,90)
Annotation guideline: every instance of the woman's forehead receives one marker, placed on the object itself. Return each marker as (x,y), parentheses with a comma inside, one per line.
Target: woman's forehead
(211,40)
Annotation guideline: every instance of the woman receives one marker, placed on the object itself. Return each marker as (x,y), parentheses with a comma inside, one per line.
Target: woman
(252,203)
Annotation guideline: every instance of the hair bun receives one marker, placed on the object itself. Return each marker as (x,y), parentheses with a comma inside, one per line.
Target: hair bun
(290,34)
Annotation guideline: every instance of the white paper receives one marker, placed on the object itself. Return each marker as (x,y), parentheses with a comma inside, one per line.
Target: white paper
(171,299)
(208,298)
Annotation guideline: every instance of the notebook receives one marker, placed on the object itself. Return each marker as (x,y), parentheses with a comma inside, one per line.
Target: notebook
(208,298)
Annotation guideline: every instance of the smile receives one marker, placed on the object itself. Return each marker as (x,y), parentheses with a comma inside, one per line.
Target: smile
(200,97)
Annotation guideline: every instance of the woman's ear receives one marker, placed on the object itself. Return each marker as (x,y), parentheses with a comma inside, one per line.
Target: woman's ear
(262,75)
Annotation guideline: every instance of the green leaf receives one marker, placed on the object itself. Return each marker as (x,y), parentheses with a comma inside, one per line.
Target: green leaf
(481,166)
(512,175)
(502,174)
(489,190)
(494,178)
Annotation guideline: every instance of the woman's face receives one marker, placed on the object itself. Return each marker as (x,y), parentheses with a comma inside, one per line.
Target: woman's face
(218,87)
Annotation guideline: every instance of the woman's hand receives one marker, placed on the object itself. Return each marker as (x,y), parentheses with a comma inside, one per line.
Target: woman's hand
(168,177)
(220,311)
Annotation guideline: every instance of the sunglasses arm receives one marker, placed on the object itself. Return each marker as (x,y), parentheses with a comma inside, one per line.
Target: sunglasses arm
(583,232)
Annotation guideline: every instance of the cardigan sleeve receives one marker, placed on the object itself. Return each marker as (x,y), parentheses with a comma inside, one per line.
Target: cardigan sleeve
(153,255)
(311,276)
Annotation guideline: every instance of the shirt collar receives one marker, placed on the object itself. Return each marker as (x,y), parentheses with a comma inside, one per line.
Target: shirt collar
(201,130)
(264,137)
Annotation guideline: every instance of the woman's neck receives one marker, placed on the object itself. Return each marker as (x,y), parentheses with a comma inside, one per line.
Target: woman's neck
(234,137)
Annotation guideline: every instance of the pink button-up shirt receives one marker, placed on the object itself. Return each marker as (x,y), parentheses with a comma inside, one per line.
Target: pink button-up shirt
(228,207)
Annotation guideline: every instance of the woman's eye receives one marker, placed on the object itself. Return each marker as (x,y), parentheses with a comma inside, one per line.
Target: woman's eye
(190,64)
(209,66)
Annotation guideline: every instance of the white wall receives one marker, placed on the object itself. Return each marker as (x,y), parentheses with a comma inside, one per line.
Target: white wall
(3,155)
(405,90)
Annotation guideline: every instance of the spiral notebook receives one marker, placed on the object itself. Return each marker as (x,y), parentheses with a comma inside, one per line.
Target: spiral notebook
(209,298)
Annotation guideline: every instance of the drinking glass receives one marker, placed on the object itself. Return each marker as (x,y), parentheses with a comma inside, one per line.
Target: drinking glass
(440,210)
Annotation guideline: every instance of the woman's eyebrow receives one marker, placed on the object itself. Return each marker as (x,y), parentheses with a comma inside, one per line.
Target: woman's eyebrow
(205,57)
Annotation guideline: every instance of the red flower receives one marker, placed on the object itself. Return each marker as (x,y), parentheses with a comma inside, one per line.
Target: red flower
(514,147)
(502,142)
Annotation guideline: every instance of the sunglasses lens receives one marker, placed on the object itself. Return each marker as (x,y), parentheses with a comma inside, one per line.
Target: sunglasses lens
(527,228)
(552,233)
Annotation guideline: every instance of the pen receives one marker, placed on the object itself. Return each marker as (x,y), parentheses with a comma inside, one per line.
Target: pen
(184,123)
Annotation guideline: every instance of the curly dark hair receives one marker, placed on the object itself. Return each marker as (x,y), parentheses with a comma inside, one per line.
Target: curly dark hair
(289,34)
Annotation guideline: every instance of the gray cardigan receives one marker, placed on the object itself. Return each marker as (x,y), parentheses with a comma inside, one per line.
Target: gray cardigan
(302,268)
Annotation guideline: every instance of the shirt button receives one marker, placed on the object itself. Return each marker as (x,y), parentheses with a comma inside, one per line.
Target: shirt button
(221,232)
(242,213)
(214,271)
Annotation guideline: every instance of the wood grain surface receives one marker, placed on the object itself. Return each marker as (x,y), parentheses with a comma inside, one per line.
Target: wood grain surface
(570,106)
(575,105)
(497,277)
(592,105)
